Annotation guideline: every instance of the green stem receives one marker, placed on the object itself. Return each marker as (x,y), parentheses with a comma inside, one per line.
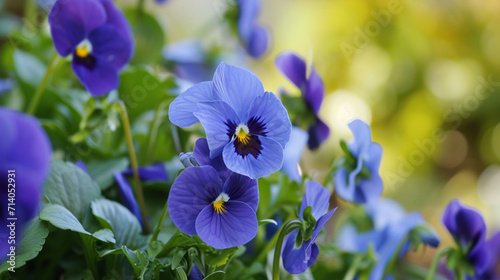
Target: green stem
(38,94)
(285,230)
(263,253)
(435,262)
(140,7)
(133,161)
(163,216)
(153,131)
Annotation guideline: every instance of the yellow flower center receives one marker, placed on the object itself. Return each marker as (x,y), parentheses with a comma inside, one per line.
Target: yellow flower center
(83,49)
(242,133)
(82,52)
(218,203)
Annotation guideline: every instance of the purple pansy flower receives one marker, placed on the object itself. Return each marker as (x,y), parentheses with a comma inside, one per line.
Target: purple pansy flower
(469,232)
(293,153)
(391,226)
(245,124)
(313,91)
(297,260)
(254,36)
(25,155)
(358,179)
(98,36)
(221,212)
(155,172)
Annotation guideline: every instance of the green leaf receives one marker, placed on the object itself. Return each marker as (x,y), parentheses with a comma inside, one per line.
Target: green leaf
(142,91)
(72,188)
(220,257)
(102,170)
(137,259)
(32,241)
(62,218)
(217,275)
(121,221)
(148,35)
(178,256)
(180,273)
(28,68)
(105,235)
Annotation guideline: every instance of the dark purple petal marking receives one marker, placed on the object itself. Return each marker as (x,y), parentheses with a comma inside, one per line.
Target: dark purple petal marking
(247,142)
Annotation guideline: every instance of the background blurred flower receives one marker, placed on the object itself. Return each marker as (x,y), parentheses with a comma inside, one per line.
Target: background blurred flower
(390,236)
(357,179)
(26,149)
(154,172)
(98,36)
(189,60)
(254,36)
(248,126)
(469,232)
(221,213)
(297,260)
(312,90)
(293,152)
(195,273)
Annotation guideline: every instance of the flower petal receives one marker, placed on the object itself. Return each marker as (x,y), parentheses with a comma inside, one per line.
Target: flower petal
(193,190)
(99,80)
(293,67)
(317,197)
(214,117)
(465,224)
(293,152)
(297,260)
(154,172)
(315,91)
(237,87)
(236,226)
(181,109)
(202,155)
(110,46)
(268,109)
(318,132)
(243,189)
(116,18)
(259,40)
(127,196)
(248,11)
(362,136)
(269,161)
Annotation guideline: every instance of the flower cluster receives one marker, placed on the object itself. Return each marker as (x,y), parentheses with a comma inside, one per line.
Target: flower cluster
(247,125)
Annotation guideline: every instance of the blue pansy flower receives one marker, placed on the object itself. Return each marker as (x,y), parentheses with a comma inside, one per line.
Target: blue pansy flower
(154,172)
(254,36)
(389,236)
(24,149)
(357,179)
(469,232)
(98,36)
(313,91)
(293,153)
(221,212)
(297,260)
(245,124)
